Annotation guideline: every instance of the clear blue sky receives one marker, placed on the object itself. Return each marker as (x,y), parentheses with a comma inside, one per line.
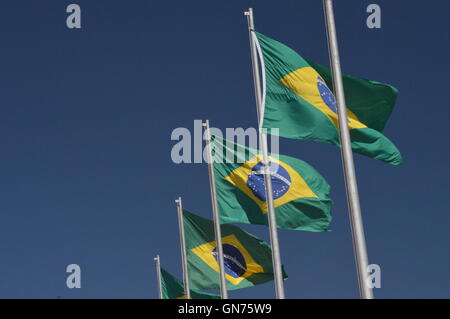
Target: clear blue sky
(86,116)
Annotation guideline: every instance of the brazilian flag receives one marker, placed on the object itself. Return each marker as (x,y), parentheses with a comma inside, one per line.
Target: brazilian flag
(172,288)
(247,259)
(299,103)
(300,193)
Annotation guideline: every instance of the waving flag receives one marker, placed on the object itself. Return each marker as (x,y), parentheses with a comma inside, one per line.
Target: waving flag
(299,102)
(173,288)
(247,259)
(300,193)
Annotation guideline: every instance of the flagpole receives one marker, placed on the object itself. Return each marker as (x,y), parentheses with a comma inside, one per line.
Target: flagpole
(276,260)
(187,291)
(359,242)
(158,276)
(216,217)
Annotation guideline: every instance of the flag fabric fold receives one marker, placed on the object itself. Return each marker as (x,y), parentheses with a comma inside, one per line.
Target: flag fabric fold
(172,288)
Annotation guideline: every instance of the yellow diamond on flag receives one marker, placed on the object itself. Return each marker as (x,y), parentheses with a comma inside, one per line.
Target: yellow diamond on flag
(287,184)
(238,262)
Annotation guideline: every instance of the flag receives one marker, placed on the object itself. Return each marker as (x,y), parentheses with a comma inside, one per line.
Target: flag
(247,259)
(172,288)
(300,193)
(298,101)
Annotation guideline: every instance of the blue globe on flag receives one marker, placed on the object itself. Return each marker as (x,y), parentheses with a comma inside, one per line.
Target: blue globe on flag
(326,95)
(281,181)
(233,260)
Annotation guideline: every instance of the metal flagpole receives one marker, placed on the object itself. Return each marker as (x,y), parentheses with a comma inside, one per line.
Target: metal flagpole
(359,242)
(276,260)
(158,276)
(187,291)
(216,217)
